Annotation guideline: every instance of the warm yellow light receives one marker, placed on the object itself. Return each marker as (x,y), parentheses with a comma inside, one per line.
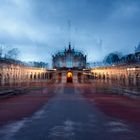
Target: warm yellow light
(69,74)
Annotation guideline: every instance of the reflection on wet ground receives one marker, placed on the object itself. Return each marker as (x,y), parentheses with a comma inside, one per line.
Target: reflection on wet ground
(116,87)
(73,114)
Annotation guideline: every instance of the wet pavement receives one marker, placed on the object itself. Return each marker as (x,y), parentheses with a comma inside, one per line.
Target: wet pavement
(71,116)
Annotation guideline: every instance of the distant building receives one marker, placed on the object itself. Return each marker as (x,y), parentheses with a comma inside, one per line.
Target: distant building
(69,65)
(130,59)
(13,72)
(69,59)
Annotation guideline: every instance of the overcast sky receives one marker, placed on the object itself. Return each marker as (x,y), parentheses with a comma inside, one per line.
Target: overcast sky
(41,27)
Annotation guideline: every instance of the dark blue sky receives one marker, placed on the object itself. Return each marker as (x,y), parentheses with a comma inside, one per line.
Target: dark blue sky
(41,27)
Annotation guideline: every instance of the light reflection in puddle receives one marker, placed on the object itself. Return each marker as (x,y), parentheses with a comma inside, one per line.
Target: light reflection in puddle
(69,129)
(8,131)
(116,123)
(118,126)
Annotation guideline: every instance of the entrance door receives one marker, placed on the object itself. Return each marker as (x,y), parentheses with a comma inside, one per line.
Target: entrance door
(69,77)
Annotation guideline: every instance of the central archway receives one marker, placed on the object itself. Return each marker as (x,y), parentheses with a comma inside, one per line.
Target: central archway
(69,77)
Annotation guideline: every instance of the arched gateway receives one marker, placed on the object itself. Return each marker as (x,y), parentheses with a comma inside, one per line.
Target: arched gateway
(69,77)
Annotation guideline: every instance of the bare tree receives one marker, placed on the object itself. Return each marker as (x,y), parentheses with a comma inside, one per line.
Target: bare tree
(13,53)
(1,51)
(112,58)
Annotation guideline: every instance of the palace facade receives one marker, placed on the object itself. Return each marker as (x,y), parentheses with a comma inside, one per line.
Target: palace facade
(128,75)
(14,73)
(69,65)
(69,59)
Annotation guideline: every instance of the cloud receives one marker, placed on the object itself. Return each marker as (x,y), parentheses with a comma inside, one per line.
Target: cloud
(127,10)
(40,27)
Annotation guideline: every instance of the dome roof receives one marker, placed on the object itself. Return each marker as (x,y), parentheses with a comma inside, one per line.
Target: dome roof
(69,50)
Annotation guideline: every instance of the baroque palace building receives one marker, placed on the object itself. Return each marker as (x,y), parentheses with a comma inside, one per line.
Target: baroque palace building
(13,73)
(69,66)
(128,75)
